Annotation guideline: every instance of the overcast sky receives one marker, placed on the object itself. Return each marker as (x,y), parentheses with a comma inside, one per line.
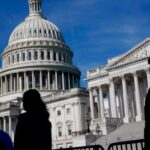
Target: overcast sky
(95,30)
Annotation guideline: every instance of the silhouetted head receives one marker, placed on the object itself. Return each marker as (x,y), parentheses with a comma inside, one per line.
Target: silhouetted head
(33,103)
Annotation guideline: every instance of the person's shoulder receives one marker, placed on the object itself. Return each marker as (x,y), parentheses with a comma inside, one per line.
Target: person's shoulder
(4,137)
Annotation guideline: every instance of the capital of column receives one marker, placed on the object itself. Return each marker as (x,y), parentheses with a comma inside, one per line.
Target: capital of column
(134,73)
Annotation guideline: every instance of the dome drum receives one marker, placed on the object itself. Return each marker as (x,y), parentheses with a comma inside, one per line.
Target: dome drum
(36,55)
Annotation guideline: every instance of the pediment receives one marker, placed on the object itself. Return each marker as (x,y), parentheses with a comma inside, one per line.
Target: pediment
(139,52)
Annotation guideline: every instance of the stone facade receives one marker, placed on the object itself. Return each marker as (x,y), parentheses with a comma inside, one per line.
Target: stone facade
(37,57)
(118,89)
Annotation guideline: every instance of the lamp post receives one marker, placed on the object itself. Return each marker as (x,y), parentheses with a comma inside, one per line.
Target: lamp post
(87,118)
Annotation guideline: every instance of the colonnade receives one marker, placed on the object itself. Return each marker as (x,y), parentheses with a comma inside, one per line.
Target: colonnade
(41,79)
(36,55)
(122,82)
(6,124)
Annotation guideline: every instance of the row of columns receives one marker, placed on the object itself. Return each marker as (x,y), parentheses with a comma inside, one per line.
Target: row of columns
(5,122)
(112,97)
(50,80)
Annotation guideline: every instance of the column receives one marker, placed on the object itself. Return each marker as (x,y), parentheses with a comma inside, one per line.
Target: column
(41,86)
(56,80)
(27,82)
(10,126)
(33,80)
(137,98)
(48,74)
(20,82)
(101,102)
(14,81)
(125,100)
(10,83)
(68,80)
(57,56)
(25,85)
(112,99)
(63,81)
(17,81)
(51,55)
(1,85)
(148,77)
(5,84)
(4,124)
(91,103)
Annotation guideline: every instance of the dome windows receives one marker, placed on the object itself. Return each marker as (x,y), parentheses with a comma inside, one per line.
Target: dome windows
(48,55)
(23,56)
(42,55)
(29,55)
(18,57)
(35,55)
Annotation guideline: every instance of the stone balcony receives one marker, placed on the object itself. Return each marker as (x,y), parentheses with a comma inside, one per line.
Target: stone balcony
(12,107)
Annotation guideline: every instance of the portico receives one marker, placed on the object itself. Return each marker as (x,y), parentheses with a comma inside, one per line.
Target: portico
(119,88)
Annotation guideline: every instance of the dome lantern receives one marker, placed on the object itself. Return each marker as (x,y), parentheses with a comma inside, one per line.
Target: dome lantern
(35,7)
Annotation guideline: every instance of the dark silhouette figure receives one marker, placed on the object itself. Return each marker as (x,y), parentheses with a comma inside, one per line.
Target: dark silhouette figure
(147,122)
(5,141)
(33,131)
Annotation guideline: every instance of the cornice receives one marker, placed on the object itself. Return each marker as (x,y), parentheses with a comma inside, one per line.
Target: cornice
(36,44)
(132,50)
(37,67)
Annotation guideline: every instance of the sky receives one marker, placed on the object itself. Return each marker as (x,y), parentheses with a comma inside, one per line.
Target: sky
(95,30)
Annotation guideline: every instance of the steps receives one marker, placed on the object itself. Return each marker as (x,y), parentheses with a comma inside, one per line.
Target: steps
(130,131)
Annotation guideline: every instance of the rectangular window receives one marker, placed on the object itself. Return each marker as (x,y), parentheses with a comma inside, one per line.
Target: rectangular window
(13,59)
(29,55)
(23,56)
(69,129)
(59,131)
(58,113)
(17,57)
(68,111)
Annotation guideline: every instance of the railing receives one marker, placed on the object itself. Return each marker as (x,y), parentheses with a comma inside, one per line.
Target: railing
(92,147)
(128,145)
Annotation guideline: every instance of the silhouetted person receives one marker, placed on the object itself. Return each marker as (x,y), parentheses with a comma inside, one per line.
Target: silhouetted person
(147,122)
(5,141)
(33,131)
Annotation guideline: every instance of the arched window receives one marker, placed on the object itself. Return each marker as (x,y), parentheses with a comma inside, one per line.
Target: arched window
(50,35)
(54,35)
(54,56)
(36,55)
(23,56)
(29,55)
(18,58)
(42,55)
(13,59)
(8,59)
(48,55)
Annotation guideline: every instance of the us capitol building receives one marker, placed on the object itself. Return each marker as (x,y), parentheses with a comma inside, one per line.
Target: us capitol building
(37,57)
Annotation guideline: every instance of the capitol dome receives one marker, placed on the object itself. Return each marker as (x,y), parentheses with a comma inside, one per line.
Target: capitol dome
(37,57)
(35,27)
